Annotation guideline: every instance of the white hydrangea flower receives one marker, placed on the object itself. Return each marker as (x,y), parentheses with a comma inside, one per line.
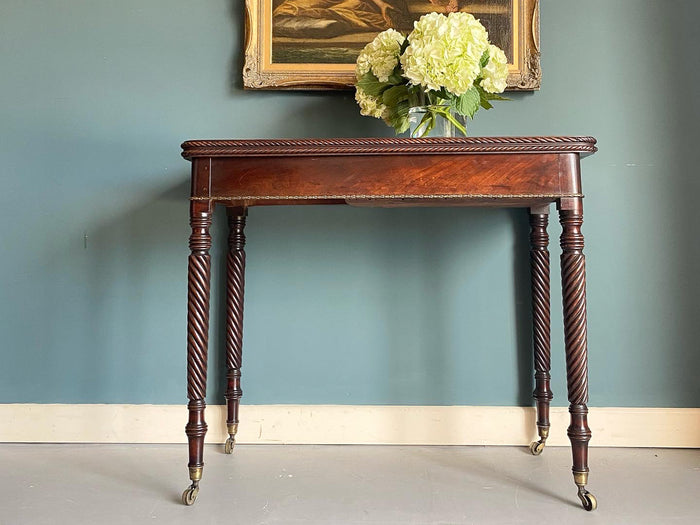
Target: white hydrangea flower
(369,106)
(381,55)
(445,51)
(495,74)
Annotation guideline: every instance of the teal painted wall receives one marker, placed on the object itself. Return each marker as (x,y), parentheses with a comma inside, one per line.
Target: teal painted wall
(425,306)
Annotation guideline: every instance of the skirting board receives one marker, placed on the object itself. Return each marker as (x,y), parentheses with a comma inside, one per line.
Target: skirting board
(346,424)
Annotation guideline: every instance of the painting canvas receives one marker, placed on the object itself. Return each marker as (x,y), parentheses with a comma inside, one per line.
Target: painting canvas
(313,44)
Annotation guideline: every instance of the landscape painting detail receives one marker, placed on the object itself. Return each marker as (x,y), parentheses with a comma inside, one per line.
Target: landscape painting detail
(335,31)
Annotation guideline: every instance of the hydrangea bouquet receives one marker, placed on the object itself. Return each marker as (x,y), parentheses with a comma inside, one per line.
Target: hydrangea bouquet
(446,64)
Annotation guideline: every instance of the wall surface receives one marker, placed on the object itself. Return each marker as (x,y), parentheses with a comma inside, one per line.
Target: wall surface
(344,306)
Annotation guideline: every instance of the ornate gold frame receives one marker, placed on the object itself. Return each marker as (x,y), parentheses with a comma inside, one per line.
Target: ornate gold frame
(260,73)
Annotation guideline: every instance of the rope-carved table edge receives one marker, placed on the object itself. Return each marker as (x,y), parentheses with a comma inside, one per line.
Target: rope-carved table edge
(386,146)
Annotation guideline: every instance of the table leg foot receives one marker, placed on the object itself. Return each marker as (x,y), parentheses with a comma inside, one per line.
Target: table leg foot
(536,447)
(231,441)
(190,494)
(233,396)
(588,500)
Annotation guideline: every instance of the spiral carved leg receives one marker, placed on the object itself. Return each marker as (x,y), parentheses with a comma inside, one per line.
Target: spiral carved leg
(199,274)
(573,273)
(539,266)
(235,285)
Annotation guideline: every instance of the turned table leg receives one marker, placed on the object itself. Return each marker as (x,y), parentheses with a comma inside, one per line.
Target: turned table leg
(235,285)
(539,266)
(198,279)
(573,278)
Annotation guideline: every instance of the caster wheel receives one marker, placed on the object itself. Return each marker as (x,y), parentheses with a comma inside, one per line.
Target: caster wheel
(588,500)
(190,495)
(536,448)
(228,446)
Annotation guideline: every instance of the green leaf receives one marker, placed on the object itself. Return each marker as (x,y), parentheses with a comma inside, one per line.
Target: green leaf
(482,98)
(396,76)
(371,85)
(395,95)
(484,59)
(494,96)
(468,103)
(415,96)
(396,100)
(397,117)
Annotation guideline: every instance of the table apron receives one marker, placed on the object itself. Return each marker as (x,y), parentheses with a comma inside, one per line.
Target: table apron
(390,180)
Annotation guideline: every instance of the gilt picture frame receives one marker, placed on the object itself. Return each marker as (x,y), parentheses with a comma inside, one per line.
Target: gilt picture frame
(313,44)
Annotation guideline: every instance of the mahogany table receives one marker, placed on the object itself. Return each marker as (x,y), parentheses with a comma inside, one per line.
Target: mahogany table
(529,172)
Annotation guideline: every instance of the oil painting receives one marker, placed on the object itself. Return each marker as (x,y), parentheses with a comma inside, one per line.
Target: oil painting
(313,44)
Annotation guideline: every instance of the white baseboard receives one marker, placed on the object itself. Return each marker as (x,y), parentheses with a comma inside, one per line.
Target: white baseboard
(346,424)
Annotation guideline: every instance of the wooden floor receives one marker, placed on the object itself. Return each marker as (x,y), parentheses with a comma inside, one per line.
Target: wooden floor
(343,485)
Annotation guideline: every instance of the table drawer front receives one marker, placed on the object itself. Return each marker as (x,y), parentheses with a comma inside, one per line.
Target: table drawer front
(390,176)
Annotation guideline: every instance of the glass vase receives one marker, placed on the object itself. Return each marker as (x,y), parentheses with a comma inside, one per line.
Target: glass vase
(420,124)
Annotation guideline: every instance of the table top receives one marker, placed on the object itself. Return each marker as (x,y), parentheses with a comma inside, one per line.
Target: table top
(466,171)
(386,146)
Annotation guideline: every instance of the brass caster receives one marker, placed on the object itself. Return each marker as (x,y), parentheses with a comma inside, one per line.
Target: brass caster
(587,499)
(228,446)
(190,494)
(536,447)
